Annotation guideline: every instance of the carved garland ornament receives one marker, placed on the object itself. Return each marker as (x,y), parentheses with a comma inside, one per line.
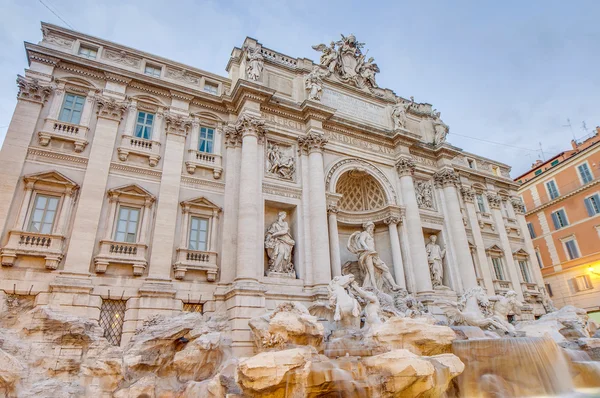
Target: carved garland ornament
(424,193)
(446,178)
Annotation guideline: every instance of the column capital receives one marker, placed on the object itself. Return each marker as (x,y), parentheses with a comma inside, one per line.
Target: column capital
(518,205)
(177,124)
(233,137)
(494,200)
(250,125)
(109,108)
(395,220)
(406,166)
(445,178)
(312,142)
(332,208)
(468,194)
(32,90)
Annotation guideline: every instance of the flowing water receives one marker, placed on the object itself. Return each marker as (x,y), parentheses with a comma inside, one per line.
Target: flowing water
(513,367)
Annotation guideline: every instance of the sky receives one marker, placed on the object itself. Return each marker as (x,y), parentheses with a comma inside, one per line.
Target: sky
(506,76)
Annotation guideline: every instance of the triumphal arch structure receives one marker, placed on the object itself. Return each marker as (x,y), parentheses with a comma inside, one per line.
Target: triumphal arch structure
(133,185)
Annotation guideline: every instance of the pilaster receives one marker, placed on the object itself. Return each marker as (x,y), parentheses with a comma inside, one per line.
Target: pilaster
(392,223)
(334,241)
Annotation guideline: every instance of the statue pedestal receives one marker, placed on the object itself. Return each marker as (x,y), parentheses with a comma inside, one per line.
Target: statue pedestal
(272,274)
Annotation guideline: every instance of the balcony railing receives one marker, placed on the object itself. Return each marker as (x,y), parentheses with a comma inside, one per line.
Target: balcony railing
(55,129)
(22,243)
(112,252)
(211,161)
(501,287)
(196,260)
(141,147)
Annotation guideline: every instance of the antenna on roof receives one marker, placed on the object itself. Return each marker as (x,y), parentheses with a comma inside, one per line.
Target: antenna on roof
(584,127)
(570,128)
(542,151)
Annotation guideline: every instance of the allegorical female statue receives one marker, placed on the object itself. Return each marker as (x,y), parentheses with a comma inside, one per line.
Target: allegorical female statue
(279,245)
(435,255)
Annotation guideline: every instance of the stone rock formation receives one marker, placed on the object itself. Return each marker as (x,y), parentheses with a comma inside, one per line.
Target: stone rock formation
(567,324)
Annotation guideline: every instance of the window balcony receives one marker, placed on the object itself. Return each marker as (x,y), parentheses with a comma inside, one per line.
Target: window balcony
(211,161)
(112,252)
(485,219)
(140,147)
(502,287)
(196,260)
(21,243)
(57,130)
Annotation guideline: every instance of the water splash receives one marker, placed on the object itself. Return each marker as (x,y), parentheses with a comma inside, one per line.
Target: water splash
(515,367)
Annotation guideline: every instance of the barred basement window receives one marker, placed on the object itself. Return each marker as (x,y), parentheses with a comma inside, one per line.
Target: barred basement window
(112,315)
(193,307)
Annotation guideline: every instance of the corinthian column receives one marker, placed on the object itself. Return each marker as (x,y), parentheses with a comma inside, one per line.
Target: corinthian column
(406,168)
(31,99)
(251,129)
(334,241)
(392,223)
(313,143)
(447,179)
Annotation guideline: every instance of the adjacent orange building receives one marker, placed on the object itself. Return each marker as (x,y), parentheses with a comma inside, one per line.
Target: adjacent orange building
(562,201)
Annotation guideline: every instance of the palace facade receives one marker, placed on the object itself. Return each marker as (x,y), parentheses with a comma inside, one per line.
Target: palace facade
(132,185)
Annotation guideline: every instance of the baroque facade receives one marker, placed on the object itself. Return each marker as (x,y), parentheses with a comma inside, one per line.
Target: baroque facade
(133,185)
(562,201)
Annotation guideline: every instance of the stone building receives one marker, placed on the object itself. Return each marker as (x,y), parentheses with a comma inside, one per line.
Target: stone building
(562,202)
(132,185)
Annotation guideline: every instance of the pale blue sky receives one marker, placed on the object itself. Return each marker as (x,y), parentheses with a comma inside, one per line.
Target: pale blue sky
(510,71)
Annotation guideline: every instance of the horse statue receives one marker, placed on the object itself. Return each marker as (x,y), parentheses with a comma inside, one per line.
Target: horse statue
(503,306)
(342,307)
(470,310)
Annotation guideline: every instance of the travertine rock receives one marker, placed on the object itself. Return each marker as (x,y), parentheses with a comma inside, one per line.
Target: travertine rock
(418,335)
(591,346)
(289,325)
(567,324)
(11,372)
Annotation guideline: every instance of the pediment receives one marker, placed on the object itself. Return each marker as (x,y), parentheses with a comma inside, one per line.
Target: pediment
(520,253)
(51,177)
(133,190)
(494,249)
(201,202)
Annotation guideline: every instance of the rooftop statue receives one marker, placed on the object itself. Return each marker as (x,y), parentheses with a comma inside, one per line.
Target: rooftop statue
(345,60)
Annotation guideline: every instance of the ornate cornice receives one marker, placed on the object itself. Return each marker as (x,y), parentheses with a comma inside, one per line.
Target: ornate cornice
(445,178)
(43,58)
(518,205)
(406,166)
(249,125)
(312,142)
(113,77)
(109,108)
(32,90)
(80,70)
(494,200)
(468,194)
(177,124)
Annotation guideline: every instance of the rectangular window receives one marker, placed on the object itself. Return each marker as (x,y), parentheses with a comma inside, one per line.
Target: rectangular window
(592,204)
(72,108)
(539,258)
(143,126)
(152,71)
(559,218)
(583,282)
(524,267)
(549,290)
(498,271)
(480,203)
(192,307)
(585,173)
(571,249)
(127,224)
(198,234)
(538,172)
(88,52)
(43,214)
(112,315)
(552,189)
(211,88)
(531,230)
(207,139)
(505,211)
(554,162)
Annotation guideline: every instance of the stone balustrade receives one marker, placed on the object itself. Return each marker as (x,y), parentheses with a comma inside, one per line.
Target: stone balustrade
(55,129)
(502,287)
(211,161)
(196,260)
(21,243)
(112,252)
(141,147)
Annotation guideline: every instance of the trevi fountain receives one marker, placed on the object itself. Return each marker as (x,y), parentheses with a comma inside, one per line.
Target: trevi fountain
(302,232)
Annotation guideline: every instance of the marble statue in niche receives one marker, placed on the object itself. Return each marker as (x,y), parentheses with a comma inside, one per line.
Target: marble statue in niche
(424,193)
(375,272)
(279,245)
(281,162)
(399,115)
(435,257)
(255,60)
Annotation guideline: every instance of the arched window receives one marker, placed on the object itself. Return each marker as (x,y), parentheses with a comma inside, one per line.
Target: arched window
(360,192)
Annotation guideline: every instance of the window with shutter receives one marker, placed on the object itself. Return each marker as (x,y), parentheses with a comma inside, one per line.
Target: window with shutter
(585,173)
(549,290)
(552,189)
(582,282)
(559,218)
(531,230)
(592,205)
(571,249)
